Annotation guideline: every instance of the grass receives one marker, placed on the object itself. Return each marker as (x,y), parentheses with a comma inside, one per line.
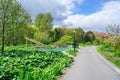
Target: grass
(109,55)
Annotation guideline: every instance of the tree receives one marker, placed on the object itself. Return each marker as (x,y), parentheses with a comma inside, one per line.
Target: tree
(89,36)
(113,30)
(12,16)
(42,37)
(4,9)
(44,21)
(64,41)
(79,35)
(56,34)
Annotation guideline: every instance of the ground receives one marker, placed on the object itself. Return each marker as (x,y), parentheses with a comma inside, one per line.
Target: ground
(88,65)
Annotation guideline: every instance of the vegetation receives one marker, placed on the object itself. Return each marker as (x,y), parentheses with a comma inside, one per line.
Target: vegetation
(71,52)
(34,62)
(13,19)
(21,64)
(89,37)
(110,55)
(44,21)
(67,40)
(111,49)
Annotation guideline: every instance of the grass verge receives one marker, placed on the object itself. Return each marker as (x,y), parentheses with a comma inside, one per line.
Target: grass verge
(109,56)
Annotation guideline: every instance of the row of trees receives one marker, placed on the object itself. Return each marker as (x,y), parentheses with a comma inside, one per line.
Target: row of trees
(15,25)
(61,36)
(13,22)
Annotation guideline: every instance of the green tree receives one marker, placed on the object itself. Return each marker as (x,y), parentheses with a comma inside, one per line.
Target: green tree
(19,22)
(44,21)
(79,35)
(12,17)
(4,10)
(56,34)
(66,40)
(42,37)
(89,36)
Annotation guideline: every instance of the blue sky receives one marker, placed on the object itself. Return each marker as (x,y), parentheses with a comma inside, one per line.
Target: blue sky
(88,14)
(88,7)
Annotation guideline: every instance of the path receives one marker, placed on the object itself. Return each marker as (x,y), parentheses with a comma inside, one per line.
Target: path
(89,66)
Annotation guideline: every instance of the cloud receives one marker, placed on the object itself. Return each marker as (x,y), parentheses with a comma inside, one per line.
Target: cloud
(60,9)
(63,13)
(109,14)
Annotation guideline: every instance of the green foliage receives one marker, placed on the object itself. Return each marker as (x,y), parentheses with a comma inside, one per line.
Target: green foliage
(114,38)
(89,36)
(111,56)
(0,41)
(79,35)
(42,37)
(18,37)
(97,41)
(117,53)
(21,64)
(44,21)
(116,43)
(15,23)
(55,34)
(67,31)
(71,52)
(68,40)
(111,47)
(88,43)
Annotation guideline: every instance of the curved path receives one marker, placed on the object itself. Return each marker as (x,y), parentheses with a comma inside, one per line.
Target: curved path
(89,66)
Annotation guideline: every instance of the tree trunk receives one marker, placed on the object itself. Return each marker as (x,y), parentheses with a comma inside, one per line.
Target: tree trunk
(3,34)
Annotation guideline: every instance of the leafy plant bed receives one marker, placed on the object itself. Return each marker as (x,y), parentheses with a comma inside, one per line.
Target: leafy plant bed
(71,51)
(109,56)
(21,64)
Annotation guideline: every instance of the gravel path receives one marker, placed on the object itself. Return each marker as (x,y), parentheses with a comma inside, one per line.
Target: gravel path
(89,66)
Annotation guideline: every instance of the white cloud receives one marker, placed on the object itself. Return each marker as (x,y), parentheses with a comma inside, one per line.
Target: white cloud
(60,9)
(109,14)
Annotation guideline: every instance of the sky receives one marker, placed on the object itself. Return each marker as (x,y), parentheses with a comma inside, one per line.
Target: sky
(92,15)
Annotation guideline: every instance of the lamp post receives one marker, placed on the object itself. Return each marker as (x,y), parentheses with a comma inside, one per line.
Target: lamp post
(74,44)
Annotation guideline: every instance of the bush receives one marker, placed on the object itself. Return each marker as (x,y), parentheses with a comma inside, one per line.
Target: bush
(88,43)
(66,40)
(71,51)
(42,37)
(117,53)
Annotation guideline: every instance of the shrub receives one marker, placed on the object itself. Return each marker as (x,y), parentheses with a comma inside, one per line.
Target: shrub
(65,40)
(88,43)
(117,53)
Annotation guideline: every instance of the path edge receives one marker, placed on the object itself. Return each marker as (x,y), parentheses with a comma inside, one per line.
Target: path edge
(110,64)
